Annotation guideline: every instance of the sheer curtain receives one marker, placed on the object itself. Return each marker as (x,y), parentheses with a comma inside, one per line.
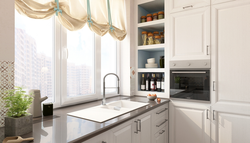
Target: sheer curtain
(74,14)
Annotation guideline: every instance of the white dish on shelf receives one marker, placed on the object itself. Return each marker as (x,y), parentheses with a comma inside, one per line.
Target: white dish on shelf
(151,65)
(151,61)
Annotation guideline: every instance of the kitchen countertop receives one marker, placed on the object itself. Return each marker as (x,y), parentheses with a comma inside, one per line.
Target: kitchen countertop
(62,128)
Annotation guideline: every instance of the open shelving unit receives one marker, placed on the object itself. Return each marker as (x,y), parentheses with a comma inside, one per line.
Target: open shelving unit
(143,52)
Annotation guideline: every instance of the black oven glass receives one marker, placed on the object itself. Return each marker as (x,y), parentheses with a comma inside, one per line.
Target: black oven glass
(187,84)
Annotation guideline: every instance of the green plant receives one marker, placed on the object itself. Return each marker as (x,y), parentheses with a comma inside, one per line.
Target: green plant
(17,102)
(177,79)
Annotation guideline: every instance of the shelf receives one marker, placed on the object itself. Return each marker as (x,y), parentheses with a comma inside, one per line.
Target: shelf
(157,25)
(152,6)
(151,70)
(154,47)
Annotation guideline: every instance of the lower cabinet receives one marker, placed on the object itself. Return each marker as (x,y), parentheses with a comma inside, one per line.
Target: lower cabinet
(143,129)
(189,122)
(150,127)
(161,136)
(122,133)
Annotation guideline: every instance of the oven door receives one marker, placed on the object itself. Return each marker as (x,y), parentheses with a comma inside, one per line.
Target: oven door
(187,84)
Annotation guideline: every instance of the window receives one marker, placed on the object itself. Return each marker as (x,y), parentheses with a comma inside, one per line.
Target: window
(109,63)
(34,54)
(67,66)
(80,62)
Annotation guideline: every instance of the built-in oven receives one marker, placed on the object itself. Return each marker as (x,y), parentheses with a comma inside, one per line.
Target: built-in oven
(192,83)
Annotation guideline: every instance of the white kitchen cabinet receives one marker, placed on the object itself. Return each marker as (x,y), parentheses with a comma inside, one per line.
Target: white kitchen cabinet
(189,122)
(190,35)
(161,136)
(182,5)
(102,138)
(144,125)
(123,133)
(230,72)
(221,1)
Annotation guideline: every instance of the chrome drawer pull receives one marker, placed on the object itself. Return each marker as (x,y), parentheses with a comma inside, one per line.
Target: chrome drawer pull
(162,132)
(162,111)
(139,125)
(187,6)
(136,127)
(162,123)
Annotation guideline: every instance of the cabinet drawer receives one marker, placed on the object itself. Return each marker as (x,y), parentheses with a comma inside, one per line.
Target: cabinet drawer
(161,136)
(158,124)
(160,111)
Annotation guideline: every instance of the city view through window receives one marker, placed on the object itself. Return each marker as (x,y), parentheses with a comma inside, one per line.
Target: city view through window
(34,46)
(34,58)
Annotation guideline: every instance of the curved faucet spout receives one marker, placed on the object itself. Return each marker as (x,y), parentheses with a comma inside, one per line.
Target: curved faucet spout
(104,99)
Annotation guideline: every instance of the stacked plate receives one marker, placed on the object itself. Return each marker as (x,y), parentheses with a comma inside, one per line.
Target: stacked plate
(151,63)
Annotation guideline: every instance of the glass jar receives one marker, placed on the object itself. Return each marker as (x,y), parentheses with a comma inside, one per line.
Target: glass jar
(157,39)
(161,15)
(150,38)
(143,19)
(149,17)
(155,33)
(144,37)
(155,16)
(162,37)
(162,61)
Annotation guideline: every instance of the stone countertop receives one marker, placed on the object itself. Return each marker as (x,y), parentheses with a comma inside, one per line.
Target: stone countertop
(61,128)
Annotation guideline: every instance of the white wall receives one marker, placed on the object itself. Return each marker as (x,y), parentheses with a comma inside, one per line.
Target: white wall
(7,30)
(127,53)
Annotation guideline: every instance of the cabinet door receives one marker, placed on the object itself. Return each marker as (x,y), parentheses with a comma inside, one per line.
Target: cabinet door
(190,34)
(144,129)
(102,138)
(161,136)
(222,1)
(230,72)
(189,122)
(182,5)
(122,133)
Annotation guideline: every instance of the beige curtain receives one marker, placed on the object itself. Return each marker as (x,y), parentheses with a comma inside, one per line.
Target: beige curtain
(74,14)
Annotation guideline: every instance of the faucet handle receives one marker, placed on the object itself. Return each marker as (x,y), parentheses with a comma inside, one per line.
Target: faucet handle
(103,101)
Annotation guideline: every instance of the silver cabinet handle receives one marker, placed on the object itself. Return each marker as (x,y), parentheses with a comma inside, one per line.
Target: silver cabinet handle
(162,111)
(207,114)
(187,6)
(213,85)
(139,125)
(207,50)
(162,123)
(67,53)
(213,115)
(162,131)
(136,127)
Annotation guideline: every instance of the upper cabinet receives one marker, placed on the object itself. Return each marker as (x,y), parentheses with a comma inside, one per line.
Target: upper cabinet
(182,5)
(190,34)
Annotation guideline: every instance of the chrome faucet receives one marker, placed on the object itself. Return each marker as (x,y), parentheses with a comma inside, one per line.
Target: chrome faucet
(104,99)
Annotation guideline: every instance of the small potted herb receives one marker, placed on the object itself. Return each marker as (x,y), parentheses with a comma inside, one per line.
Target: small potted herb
(177,82)
(18,121)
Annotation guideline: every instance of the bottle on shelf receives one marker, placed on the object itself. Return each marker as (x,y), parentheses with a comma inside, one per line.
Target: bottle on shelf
(162,83)
(148,83)
(158,83)
(153,83)
(143,83)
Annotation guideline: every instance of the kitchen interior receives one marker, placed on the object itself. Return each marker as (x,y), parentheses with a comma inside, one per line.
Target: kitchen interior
(151,71)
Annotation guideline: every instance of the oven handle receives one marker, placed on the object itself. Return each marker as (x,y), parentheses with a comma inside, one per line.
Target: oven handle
(189,72)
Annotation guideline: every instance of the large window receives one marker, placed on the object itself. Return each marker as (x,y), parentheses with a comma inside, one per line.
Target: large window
(80,62)
(67,66)
(109,63)
(34,50)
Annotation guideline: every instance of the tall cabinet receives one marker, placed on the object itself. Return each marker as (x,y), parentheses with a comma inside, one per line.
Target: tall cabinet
(230,71)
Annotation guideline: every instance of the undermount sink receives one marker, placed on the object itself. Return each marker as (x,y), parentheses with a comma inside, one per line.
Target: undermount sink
(106,112)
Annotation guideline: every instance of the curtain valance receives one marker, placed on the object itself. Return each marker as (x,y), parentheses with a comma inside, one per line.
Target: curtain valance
(74,14)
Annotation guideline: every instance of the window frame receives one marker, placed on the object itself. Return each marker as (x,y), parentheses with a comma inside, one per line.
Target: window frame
(61,70)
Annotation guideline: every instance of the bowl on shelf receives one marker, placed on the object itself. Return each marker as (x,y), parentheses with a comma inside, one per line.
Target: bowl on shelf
(152,98)
(151,61)
(151,66)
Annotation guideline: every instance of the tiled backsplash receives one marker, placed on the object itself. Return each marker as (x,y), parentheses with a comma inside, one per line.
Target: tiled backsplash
(6,82)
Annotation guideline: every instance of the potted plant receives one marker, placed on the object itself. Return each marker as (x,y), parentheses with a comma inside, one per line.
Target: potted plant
(18,121)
